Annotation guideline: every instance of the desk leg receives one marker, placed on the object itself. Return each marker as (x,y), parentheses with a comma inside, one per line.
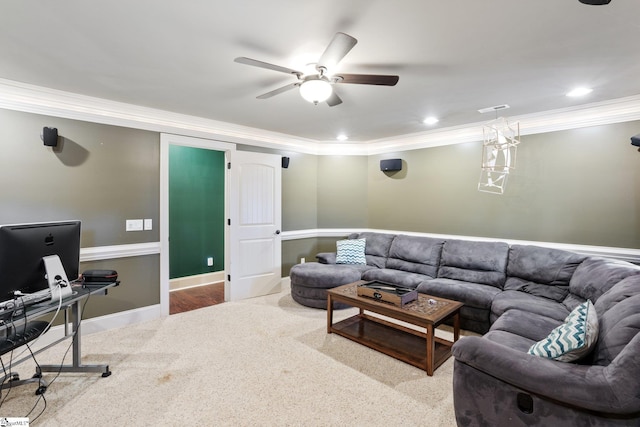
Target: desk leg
(76,366)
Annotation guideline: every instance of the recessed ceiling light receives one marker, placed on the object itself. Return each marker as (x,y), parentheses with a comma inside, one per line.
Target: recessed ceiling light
(580,91)
(342,137)
(430,120)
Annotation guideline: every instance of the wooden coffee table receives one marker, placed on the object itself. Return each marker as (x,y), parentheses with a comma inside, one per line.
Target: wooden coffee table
(420,348)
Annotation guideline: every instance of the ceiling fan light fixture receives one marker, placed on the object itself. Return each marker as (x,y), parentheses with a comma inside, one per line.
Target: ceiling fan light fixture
(316,90)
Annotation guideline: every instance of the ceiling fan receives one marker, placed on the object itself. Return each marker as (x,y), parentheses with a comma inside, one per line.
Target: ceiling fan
(318,87)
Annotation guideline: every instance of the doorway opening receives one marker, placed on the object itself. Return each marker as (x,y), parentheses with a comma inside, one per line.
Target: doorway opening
(194,207)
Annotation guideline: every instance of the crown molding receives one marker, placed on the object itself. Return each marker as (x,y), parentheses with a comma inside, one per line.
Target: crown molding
(594,114)
(52,102)
(40,100)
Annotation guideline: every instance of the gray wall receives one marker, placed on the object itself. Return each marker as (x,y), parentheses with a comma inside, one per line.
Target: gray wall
(342,192)
(99,174)
(300,193)
(578,186)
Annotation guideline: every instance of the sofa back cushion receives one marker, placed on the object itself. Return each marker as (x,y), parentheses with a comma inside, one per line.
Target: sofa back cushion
(619,319)
(595,276)
(476,262)
(377,247)
(619,313)
(543,272)
(415,254)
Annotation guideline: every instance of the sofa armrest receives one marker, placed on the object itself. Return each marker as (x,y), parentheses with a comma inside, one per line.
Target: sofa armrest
(326,257)
(585,386)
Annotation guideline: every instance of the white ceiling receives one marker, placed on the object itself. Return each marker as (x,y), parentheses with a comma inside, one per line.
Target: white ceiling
(453,57)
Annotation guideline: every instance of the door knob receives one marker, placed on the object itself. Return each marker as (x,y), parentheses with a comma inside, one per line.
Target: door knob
(277,231)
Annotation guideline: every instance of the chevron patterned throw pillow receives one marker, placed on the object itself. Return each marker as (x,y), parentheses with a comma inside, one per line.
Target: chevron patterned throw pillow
(573,339)
(350,251)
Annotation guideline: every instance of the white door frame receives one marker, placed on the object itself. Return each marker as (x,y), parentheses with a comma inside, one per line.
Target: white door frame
(165,141)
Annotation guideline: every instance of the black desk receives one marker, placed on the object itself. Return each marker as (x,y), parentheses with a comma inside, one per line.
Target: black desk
(72,309)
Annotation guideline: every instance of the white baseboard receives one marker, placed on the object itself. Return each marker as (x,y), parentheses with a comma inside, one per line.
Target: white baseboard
(103,323)
(196,280)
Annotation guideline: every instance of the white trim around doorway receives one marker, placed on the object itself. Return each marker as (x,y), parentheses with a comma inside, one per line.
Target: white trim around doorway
(165,141)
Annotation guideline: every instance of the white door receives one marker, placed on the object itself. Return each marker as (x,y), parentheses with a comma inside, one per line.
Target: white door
(255,221)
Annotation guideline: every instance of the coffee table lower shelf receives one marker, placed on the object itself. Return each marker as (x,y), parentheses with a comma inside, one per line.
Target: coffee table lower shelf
(405,344)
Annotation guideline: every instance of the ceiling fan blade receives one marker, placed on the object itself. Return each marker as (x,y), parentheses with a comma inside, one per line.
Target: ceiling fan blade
(334,99)
(367,79)
(339,46)
(256,63)
(278,91)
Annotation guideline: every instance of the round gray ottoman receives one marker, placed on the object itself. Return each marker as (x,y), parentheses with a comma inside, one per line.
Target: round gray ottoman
(310,281)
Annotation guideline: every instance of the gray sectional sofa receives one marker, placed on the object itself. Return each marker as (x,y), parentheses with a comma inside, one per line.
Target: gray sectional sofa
(514,295)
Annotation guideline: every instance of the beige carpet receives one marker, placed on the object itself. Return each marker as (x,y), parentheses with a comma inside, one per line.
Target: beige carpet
(264,361)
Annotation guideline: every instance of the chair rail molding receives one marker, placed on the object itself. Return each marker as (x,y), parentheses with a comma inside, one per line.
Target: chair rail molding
(118,251)
(624,254)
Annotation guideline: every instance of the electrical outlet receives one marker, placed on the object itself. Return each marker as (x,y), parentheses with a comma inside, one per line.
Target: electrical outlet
(210,261)
(148,224)
(301,260)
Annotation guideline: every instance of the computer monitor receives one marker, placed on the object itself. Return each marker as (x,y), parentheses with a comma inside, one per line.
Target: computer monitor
(26,248)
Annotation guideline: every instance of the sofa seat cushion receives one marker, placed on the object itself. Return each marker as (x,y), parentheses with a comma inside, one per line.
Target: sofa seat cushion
(529,325)
(323,276)
(552,292)
(507,300)
(509,339)
(415,254)
(377,248)
(471,294)
(595,276)
(395,277)
(538,265)
(475,262)
(310,281)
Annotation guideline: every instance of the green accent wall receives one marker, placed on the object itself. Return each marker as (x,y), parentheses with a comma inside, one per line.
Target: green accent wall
(196,210)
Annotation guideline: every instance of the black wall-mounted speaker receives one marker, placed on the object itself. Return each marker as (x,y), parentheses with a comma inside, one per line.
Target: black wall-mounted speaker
(50,136)
(285,162)
(391,165)
(635,140)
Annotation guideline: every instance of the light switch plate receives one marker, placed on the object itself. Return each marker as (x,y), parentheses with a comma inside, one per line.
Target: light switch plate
(134,225)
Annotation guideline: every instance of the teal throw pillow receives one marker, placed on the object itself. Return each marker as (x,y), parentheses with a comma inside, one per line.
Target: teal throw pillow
(572,340)
(350,251)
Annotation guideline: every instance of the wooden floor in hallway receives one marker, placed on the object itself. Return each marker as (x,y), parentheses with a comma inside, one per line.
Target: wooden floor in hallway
(196,297)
